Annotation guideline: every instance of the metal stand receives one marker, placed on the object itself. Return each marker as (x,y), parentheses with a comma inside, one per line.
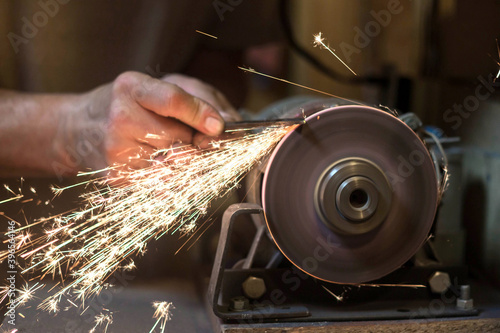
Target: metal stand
(292,296)
(251,312)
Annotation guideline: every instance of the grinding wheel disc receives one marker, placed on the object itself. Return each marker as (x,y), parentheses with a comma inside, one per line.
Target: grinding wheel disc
(297,215)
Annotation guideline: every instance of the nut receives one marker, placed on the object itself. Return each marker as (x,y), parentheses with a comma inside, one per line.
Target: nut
(439,282)
(465,304)
(254,287)
(239,304)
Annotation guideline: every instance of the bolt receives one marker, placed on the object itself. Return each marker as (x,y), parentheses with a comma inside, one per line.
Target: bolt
(254,287)
(239,304)
(465,291)
(439,282)
(465,302)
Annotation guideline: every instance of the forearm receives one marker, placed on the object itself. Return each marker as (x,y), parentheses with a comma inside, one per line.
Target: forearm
(34,134)
(59,135)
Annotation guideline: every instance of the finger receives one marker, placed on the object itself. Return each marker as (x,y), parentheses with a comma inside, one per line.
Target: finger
(158,131)
(206,92)
(168,100)
(202,141)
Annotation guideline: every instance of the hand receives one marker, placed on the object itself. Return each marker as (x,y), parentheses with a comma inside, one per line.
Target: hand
(210,95)
(139,114)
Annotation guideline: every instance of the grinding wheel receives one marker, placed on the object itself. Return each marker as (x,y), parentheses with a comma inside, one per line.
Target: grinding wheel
(351,195)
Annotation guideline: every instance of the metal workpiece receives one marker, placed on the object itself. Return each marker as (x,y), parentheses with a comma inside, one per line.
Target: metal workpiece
(253,124)
(439,282)
(254,287)
(351,195)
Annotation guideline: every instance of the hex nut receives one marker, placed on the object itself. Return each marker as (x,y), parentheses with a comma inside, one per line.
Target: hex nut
(254,287)
(439,282)
(465,304)
(239,304)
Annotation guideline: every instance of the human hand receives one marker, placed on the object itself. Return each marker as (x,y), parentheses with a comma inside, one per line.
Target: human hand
(209,94)
(138,114)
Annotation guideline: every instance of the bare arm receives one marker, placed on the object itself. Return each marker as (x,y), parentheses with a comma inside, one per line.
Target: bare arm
(32,132)
(47,135)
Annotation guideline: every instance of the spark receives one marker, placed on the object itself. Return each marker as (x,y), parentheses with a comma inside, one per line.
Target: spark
(26,293)
(162,314)
(204,33)
(8,189)
(339,298)
(17,197)
(496,61)
(51,305)
(395,285)
(4,292)
(38,249)
(154,136)
(102,319)
(23,295)
(129,267)
(498,49)
(116,222)
(251,70)
(320,41)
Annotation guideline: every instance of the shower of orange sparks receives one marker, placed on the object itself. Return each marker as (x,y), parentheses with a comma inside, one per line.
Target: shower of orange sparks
(117,222)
